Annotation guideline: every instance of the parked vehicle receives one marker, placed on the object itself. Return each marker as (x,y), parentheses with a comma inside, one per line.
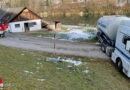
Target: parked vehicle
(3,27)
(114,36)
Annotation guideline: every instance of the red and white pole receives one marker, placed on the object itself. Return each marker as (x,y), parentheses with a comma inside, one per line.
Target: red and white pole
(1,83)
(54,51)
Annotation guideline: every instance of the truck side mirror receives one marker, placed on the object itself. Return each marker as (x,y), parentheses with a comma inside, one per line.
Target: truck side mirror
(128,45)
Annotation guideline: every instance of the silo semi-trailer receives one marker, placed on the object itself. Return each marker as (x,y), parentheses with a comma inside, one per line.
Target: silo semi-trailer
(114,35)
(107,32)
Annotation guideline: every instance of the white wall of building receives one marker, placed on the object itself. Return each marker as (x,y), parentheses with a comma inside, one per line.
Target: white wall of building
(20,26)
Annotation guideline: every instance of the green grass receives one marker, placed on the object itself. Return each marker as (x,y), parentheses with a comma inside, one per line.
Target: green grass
(48,34)
(93,40)
(65,29)
(102,73)
(43,34)
(60,36)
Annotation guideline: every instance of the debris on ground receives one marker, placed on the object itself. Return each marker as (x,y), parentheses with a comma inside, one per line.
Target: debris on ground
(22,54)
(41,80)
(28,72)
(69,66)
(76,63)
(39,63)
(56,60)
(86,71)
(59,68)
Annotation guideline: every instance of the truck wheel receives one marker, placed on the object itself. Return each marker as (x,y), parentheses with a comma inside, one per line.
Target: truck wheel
(3,35)
(108,54)
(103,48)
(119,65)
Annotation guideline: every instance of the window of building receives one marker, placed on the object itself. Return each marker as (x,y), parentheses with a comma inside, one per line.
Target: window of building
(17,25)
(32,24)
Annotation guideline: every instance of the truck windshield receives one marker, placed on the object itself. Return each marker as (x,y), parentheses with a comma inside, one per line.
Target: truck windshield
(126,38)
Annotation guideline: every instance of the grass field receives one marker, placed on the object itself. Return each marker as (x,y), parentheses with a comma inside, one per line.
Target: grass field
(70,33)
(28,70)
(60,36)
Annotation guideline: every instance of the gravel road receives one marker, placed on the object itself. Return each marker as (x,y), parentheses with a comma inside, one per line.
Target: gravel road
(46,45)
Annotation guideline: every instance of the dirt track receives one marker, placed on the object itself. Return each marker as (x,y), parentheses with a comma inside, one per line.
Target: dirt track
(46,45)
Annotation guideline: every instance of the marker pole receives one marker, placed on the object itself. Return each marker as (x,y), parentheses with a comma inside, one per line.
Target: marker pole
(54,51)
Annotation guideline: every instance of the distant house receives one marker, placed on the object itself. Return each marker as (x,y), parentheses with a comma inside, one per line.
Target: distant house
(21,19)
(118,3)
(57,1)
(60,2)
(79,1)
(122,2)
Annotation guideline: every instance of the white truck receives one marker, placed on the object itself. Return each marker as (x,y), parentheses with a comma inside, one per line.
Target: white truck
(114,36)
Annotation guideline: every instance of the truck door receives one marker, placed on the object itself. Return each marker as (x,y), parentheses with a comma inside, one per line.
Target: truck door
(125,39)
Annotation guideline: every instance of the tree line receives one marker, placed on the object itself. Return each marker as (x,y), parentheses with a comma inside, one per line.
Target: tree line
(90,7)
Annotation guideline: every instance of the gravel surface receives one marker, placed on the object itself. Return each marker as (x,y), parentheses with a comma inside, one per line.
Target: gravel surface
(46,45)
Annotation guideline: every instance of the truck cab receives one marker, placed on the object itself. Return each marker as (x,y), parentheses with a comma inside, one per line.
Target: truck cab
(3,27)
(121,54)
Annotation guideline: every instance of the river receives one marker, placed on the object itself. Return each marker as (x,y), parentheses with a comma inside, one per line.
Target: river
(76,20)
